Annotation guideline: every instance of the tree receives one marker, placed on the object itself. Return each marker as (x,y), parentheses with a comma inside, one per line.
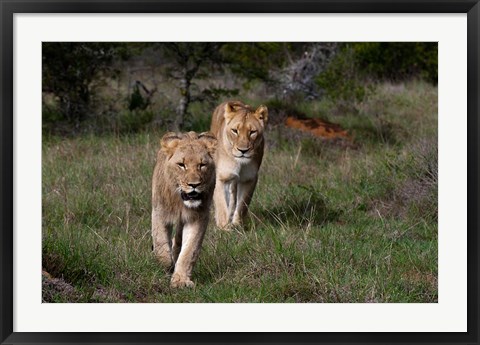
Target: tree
(290,68)
(255,60)
(398,60)
(69,69)
(189,60)
(299,75)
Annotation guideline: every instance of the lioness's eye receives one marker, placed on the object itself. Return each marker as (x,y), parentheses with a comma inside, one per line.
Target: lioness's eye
(202,165)
(253,132)
(181,165)
(234,131)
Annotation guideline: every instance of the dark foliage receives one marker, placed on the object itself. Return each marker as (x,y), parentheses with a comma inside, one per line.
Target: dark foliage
(398,60)
(77,78)
(69,70)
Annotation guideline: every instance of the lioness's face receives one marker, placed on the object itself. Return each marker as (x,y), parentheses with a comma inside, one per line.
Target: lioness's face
(193,169)
(244,132)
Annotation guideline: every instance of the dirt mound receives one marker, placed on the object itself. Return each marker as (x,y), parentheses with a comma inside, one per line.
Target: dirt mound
(57,289)
(317,127)
(51,287)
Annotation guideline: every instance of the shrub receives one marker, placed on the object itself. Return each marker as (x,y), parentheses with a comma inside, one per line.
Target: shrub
(398,60)
(343,81)
(136,100)
(71,70)
(134,120)
(348,79)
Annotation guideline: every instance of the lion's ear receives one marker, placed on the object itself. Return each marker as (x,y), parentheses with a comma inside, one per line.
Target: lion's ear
(262,114)
(169,143)
(210,142)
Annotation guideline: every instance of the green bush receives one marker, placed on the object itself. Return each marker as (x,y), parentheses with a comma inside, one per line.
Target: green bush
(398,60)
(131,121)
(350,77)
(50,114)
(71,71)
(343,81)
(137,101)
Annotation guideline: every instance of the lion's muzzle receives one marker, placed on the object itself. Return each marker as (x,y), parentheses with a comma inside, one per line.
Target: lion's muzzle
(191,196)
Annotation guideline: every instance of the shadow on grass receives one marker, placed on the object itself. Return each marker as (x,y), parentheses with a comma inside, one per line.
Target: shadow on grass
(376,130)
(300,205)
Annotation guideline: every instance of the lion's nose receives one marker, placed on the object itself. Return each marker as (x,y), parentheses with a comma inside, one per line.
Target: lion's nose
(243,151)
(194,184)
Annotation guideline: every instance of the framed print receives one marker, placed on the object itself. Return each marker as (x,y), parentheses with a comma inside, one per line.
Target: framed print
(239,172)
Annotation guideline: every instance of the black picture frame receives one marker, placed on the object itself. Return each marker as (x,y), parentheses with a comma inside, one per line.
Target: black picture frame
(9,7)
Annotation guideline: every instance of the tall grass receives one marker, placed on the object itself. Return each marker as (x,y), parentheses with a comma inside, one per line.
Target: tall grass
(328,223)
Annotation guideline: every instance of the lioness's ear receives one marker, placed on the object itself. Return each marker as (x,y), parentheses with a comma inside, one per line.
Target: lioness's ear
(210,142)
(262,114)
(230,109)
(169,142)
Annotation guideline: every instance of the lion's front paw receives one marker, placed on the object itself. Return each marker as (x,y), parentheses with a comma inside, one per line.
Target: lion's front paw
(178,282)
(165,261)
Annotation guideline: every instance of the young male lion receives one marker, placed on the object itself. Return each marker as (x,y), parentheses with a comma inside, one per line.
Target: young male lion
(182,189)
(239,131)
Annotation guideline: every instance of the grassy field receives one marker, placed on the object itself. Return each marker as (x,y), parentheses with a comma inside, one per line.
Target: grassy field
(330,222)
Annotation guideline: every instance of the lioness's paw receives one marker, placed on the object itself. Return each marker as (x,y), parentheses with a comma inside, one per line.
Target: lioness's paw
(231,227)
(221,224)
(227,227)
(178,282)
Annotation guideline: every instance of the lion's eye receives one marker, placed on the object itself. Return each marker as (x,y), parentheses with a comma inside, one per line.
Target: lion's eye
(234,131)
(253,132)
(201,165)
(181,165)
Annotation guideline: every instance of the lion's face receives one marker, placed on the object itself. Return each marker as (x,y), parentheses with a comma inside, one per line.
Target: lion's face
(244,130)
(190,165)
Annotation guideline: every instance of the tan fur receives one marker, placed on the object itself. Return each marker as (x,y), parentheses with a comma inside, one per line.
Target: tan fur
(238,127)
(184,164)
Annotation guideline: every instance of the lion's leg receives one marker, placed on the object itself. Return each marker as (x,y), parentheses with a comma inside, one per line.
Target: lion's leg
(191,245)
(244,196)
(161,236)
(220,197)
(177,242)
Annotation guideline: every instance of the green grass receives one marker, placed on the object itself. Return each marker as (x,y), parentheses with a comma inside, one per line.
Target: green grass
(329,223)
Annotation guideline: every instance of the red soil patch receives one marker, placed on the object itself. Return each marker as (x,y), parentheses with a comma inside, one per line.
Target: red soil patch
(317,127)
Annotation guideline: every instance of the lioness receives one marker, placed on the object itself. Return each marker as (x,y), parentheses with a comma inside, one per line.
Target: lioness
(182,189)
(239,131)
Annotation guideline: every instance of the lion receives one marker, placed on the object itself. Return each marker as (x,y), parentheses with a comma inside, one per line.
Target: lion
(239,131)
(182,190)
